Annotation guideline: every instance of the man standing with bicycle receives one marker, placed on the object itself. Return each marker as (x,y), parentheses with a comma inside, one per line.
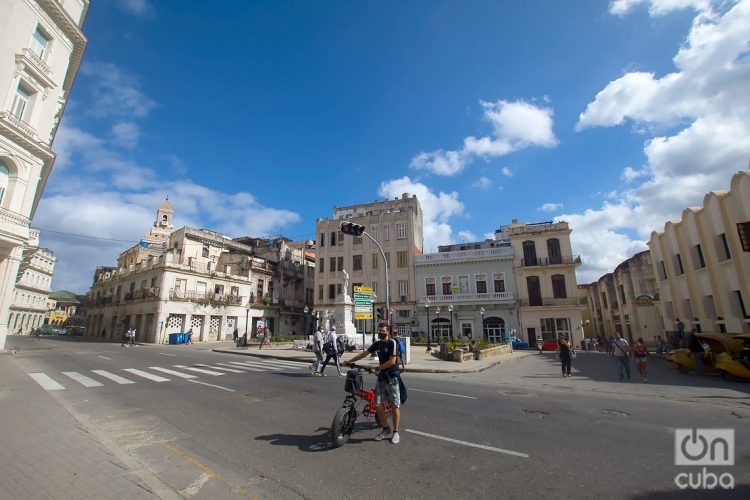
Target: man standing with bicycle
(387,387)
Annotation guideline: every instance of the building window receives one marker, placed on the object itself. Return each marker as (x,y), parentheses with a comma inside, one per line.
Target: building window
(404,313)
(447,283)
(677,263)
(339,289)
(722,247)
(332,291)
(402,259)
(529,253)
(403,288)
(153,282)
(534,290)
(341,263)
(204,252)
(374,233)
(4,177)
(662,271)
(259,295)
(39,43)
(333,239)
(332,267)
(558,286)
(699,262)
(481,283)
(320,292)
(321,265)
(743,231)
(499,280)
(430,286)
(374,261)
(322,239)
(553,251)
(20,101)
(386,233)
(356,262)
(357,240)
(400,231)
(604,301)
(741,304)
(341,238)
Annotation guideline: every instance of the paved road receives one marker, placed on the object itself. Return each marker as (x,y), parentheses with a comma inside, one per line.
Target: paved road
(213,425)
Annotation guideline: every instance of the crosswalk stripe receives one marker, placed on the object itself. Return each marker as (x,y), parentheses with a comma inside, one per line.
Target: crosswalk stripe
(83,379)
(286,364)
(245,367)
(171,372)
(262,365)
(113,377)
(150,376)
(199,370)
(218,368)
(46,382)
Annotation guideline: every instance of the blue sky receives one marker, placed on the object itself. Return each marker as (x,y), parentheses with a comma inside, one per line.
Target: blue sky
(256,118)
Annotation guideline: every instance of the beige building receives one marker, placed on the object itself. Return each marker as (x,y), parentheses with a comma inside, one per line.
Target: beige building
(545,279)
(397,226)
(624,301)
(202,281)
(41,46)
(702,263)
(28,307)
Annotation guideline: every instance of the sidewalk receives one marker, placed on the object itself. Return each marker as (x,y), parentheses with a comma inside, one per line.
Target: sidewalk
(421,361)
(51,452)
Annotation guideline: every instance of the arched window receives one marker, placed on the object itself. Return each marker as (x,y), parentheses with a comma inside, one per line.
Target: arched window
(558,286)
(553,251)
(4,178)
(529,254)
(494,329)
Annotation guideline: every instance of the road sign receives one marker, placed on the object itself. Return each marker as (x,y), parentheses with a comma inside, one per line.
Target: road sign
(367,315)
(455,288)
(363,289)
(362,296)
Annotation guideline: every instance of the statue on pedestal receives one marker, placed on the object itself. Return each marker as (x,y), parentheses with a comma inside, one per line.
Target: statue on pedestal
(345,282)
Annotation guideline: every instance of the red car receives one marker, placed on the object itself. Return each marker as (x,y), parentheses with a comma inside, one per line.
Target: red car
(550,345)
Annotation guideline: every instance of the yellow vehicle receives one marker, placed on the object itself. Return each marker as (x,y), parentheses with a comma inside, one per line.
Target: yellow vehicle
(732,367)
(721,354)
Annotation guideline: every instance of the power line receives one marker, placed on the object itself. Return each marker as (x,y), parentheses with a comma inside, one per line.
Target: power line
(84,236)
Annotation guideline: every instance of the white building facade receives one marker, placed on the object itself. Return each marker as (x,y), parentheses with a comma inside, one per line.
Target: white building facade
(41,46)
(29,305)
(467,291)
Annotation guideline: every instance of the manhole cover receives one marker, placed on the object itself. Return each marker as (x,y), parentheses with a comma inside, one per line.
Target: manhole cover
(539,413)
(615,413)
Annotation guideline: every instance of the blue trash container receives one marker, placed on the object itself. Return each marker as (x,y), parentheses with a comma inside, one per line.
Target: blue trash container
(173,338)
(181,338)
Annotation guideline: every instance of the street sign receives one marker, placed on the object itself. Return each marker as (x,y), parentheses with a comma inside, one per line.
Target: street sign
(363,289)
(455,288)
(362,296)
(363,315)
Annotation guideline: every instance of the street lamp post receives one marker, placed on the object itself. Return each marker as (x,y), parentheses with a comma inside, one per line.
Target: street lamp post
(481,313)
(437,313)
(450,312)
(306,328)
(247,319)
(429,337)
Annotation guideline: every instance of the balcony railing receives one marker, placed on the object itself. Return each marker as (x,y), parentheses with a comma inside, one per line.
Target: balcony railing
(550,261)
(215,299)
(502,297)
(13,218)
(484,253)
(548,301)
(28,53)
(20,125)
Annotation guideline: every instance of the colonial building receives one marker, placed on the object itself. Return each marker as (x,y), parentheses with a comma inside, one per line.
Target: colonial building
(624,301)
(702,263)
(397,226)
(41,46)
(545,275)
(467,290)
(204,281)
(63,306)
(28,307)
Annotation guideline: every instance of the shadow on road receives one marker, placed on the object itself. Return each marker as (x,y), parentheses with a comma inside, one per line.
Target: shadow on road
(322,441)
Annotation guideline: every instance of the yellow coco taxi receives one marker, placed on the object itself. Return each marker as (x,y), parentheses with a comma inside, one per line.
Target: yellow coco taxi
(721,354)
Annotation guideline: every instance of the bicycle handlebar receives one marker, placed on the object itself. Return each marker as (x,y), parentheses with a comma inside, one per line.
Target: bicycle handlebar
(360,367)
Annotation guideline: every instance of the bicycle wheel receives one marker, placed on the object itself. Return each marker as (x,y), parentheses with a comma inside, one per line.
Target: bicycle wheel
(342,426)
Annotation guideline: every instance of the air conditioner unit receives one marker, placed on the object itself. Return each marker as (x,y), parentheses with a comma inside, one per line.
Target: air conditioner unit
(415,322)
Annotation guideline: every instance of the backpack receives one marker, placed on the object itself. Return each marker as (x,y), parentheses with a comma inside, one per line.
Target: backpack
(328,348)
(401,346)
(340,347)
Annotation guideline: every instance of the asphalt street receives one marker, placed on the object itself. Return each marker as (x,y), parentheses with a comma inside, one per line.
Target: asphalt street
(215,425)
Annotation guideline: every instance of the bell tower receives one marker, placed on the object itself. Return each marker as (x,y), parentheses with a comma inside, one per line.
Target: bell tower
(164,215)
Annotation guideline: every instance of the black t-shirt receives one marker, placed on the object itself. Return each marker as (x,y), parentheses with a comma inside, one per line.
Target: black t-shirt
(385,350)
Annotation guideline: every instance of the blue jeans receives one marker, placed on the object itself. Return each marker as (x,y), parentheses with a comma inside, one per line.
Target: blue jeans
(698,362)
(623,363)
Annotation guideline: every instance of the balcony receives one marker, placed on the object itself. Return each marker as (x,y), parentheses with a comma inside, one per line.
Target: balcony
(214,299)
(549,302)
(28,61)
(551,261)
(465,298)
(462,255)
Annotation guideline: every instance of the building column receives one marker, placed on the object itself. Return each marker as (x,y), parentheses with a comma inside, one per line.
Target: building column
(8,273)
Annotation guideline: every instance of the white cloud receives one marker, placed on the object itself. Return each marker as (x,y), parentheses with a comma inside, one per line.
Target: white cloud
(489,236)
(467,236)
(550,207)
(658,7)
(483,182)
(506,172)
(705,99)
(516,124)
(437,209)
(114,91)
(126,134)
(137,7)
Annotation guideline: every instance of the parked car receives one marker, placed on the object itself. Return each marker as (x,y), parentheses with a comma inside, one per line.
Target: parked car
(74,330)
(550,345)
(49,330)
(518,343)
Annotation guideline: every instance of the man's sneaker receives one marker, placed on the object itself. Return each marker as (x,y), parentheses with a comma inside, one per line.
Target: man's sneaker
(395,439)
(342,374)
(383,434)
(322,374)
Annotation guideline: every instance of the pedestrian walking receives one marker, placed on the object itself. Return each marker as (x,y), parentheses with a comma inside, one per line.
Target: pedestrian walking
(696,347)
(661,346)
(611,346)
(190,336)
(317,349)
(640,355)
(331,352)
(132,337)
(235,335)
(126,339)
(621,351)
(565,354)
(266,338)
(539,343)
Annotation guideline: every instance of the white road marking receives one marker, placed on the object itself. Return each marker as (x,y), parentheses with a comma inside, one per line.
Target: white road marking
(218,368)
(443,393)
(262,365)
(212,385)
(199,370)
(46,382)
(112,376)
(194,487)
(83,379)
(140,373)
(105,357)
(245,367)
(171,372)
(165,354)
(285,364)
(466,443)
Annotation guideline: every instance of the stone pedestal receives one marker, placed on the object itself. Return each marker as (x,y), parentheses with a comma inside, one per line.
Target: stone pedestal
(343,315)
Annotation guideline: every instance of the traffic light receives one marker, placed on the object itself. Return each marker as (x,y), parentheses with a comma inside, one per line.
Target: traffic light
(352,229)
(380,313)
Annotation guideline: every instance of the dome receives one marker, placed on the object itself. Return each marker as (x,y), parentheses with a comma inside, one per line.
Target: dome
(166,206)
